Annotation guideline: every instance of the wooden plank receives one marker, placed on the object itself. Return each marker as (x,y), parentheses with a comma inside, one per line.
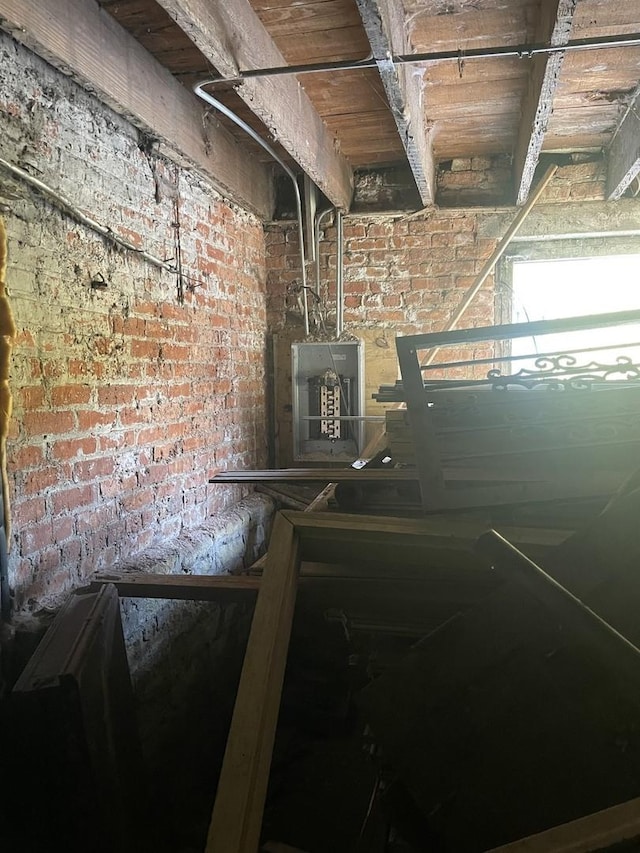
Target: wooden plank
(84,41)
(384,24)
(451,685)
(180,587)
(596,832)
(334,538)
(463,26)
(556,17)
(497,253)
(476,698)
(423,426)
(232,37)
(238,809)
(600,17)
(599,563)
(357,593)
(307,18)
(237,812)
(321,500)
(365,475)
(435,531)
(282,497)
(602,640)
(624,151)
(316,475)
(517,330)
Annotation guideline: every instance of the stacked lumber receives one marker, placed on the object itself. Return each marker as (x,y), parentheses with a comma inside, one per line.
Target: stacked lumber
(522,714)
(400,437)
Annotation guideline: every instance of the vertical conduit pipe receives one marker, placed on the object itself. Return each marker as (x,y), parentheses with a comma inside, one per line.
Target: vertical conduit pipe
(339,275)
(319,219)
(218,105)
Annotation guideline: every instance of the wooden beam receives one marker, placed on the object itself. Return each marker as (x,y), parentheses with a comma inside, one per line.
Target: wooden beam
(517,330)
(367,475)
(85,42)
(624,151)
(596,832)
(556,17)
(438,534)
(317,475)
(497,253)
(602,641)
(328,537)
(182,587)
(430,587)
(232,36)
(362,540)
(384,24)
(237,812)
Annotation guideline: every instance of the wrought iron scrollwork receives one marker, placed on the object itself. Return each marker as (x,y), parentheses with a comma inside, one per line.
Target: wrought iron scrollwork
(562,373)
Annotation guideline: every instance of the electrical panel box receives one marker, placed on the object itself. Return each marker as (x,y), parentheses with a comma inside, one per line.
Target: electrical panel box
(328,401)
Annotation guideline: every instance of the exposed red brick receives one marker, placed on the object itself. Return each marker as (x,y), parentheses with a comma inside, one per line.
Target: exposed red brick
(90,470)
(63,528)
(35,482)
(28,456)
(116,487)
(70,448)
(25,511)
(48,423)
(36,537)
(137,500)
(70,552)
(89,421)
(116,395)
(144,349)
(95,518)
(70,499)
(32,397)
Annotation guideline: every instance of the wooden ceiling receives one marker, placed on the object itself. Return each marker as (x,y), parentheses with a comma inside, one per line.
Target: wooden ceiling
(335,121)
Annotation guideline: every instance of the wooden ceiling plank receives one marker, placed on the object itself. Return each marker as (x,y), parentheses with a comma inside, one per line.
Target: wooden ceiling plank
(384,24)
(306,19)
(232,37)
(604,18)
(624,152)
(555,27)
(471,27)
(85,42)
(334,45)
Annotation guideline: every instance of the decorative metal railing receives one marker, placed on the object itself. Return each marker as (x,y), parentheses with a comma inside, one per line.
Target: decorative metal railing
(569,443)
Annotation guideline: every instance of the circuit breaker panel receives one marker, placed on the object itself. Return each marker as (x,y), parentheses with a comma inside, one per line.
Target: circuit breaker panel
(328,390)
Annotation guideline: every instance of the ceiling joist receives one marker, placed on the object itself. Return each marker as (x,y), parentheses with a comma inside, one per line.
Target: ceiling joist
(624,152)
(232,37)
(554,28)
(82,40)
(384,24)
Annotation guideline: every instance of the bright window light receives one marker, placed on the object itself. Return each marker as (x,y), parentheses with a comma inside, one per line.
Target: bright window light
(547,290)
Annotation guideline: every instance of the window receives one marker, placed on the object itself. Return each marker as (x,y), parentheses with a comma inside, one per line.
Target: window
(550,288)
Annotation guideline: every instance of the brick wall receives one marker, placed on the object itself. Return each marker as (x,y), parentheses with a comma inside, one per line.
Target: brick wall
(125,400)
(488,180)
(401,277)
(407,274)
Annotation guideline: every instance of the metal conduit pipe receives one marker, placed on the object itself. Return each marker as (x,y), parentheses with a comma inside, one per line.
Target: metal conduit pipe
(339,275)
(316,238)
(218,105)
(68,207)
(520,51)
